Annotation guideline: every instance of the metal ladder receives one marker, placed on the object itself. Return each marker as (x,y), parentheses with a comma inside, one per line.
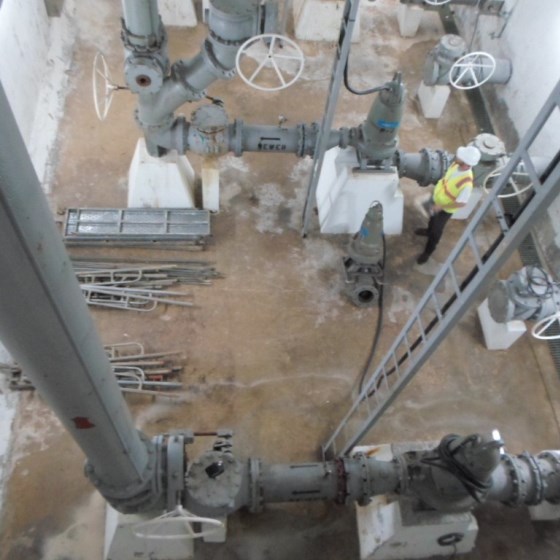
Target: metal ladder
(349,15)
(437,313)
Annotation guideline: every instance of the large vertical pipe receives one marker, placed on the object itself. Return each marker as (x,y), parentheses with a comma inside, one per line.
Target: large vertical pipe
(142,23)
(46,326)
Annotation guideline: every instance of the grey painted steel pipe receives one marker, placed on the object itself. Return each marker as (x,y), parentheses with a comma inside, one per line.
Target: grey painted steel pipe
(142,21)
(47,328)
(230,24)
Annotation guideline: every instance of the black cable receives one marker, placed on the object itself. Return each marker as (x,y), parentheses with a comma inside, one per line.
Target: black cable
(355,91)
(379,324)
(446,461)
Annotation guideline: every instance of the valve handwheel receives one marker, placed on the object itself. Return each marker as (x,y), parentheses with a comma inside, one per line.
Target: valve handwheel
(103,87)
(476,67)
(279,62)
(181,519)
(539,329)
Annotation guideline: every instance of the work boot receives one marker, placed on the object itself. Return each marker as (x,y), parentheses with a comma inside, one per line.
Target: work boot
(422,258)
(421,231)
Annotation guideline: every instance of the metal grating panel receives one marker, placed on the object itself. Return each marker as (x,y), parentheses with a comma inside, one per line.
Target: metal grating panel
(87,225)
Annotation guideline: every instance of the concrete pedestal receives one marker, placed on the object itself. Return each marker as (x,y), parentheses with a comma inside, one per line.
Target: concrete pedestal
(344,194)
(217,536)
(433,99)
(545,512)
(166,182)
(121,543)
(178,13)
(498,336)
(319,20)
(393,530)
(210,185)
(409,18)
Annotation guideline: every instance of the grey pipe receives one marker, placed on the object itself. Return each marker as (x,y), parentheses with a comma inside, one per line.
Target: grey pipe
(230,24)
(47,328)
(142,24)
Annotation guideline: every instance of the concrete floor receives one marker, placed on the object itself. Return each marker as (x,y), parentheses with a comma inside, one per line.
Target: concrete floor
(273,349)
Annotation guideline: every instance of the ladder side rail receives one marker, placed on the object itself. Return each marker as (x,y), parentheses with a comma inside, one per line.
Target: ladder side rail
(343,49)
(518,232)
(496,256)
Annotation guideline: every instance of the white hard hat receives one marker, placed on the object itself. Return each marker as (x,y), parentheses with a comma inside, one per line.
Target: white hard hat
(468,154)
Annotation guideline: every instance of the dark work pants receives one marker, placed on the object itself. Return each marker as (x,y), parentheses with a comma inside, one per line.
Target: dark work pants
(435,230)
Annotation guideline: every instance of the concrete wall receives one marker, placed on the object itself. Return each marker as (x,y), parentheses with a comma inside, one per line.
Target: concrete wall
(24,39)
(530,38)
(36,54)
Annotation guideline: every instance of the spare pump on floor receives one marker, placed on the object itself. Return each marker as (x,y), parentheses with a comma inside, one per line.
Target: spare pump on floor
(363,266)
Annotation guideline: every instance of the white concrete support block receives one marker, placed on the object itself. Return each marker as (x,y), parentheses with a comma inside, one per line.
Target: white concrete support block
(433,99)
(123,543)
(409,18)
(393,530)
(216,535)
(210,185)
(178,13)
(545,512)
(498,336)
(319,20)
(344,194)
(205,10)
(166,182)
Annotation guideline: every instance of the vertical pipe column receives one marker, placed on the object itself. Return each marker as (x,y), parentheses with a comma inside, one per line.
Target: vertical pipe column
(142,22)
(46,326)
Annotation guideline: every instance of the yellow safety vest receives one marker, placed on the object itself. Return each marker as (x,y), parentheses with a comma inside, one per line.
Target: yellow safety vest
(450,185)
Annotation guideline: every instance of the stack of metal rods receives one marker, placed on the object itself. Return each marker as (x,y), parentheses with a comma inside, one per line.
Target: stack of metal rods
(154,373)
(139,286)
(140,372)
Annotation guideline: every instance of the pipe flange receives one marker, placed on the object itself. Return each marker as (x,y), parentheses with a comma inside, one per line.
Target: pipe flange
(143,74)
(141,496)
(227,42)
(163,124)
(519,486)
(237,137)
(365,498)
(553,457)
(256,504)
(538,478)
(214,64)
(341,477)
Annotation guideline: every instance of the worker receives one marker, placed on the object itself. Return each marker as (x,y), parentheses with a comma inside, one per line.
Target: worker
(451,192)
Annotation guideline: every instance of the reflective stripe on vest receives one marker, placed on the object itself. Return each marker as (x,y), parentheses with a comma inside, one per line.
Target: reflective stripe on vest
(448,188)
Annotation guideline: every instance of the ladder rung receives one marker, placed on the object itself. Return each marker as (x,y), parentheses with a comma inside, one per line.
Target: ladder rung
(474,247)
(454,280)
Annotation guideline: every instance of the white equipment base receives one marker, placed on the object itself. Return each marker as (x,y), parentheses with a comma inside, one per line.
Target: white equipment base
(392,530)
(345,195)
(166,182)
(319,20)
(409,18)
(389,529)
(178,13)
(545,512)
(210,185)
(433,99)
(498,336)
(122,544)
